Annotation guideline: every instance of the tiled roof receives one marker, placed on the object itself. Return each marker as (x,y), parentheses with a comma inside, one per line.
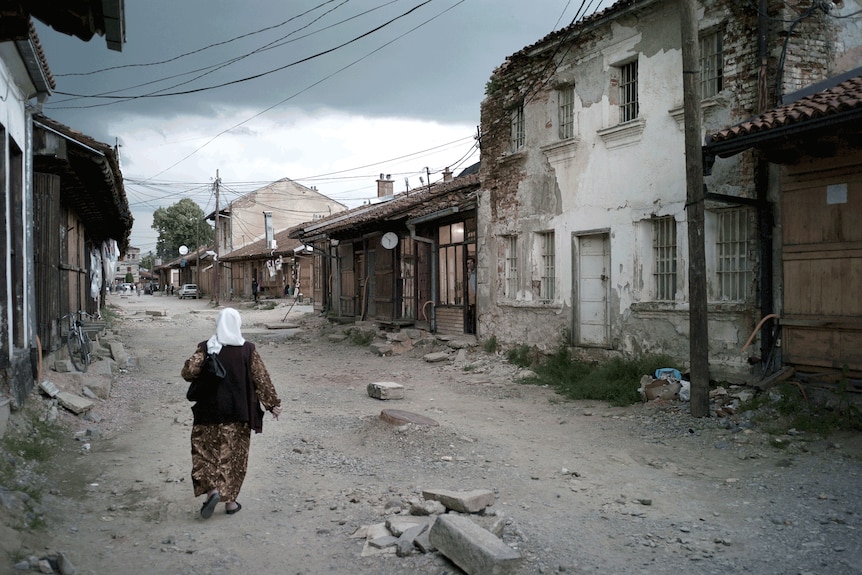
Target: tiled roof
(91,180)
(413,204)
(843,97)
(259,250)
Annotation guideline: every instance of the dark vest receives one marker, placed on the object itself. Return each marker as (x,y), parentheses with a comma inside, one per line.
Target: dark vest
(232,399)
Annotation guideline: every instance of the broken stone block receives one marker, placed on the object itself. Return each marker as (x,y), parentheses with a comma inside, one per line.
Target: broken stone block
(399,417)
(423,542)
(427,508)
(48,388)
(100,386)
(386,390)
(473,549)
(435,357)
(74,403)
(462,501)
(381,349)
(384,542)
(62,366)
(399,524)
(119,354)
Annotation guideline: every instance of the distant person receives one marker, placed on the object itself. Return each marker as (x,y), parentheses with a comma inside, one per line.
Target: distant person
(254,289)
(227,409)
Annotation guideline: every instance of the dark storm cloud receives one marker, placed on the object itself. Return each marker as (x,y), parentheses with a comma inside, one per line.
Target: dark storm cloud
(427,59)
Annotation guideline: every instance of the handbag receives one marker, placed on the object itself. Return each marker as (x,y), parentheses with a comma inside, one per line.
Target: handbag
(213,366)
(203,386)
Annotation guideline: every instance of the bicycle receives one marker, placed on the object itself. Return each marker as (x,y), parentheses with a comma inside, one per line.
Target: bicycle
(77,341)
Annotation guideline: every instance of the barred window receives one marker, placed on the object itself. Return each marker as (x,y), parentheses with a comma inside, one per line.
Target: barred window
(518,135)
(711,64)
(733,246)
(548,266)
(664,251)
(629,92)
(510,286)
(566,98)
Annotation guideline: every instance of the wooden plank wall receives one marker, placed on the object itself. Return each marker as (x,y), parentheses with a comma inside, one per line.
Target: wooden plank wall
(822,262)
(46,251)
(450,320)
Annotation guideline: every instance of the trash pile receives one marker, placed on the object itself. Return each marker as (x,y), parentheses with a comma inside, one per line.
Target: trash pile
(666,384)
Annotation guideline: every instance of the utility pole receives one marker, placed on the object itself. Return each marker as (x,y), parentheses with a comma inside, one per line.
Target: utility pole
(216,262)
(697,319)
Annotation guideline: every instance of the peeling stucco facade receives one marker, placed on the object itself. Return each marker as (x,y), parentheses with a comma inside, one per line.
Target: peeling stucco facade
(601,194)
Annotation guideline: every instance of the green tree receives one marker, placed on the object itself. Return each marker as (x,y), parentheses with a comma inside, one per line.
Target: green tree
(182,223)
(148,262)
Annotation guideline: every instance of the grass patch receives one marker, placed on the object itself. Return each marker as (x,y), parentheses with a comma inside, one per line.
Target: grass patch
(361,338)
(491,344)
(786,406)
(38,444)
(615,381)
(26,453)
(524,356)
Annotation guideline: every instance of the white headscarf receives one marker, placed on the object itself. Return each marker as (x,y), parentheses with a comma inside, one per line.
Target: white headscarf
(228,332)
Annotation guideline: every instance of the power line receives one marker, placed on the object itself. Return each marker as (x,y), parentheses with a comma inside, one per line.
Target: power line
(254,76)
(199,50)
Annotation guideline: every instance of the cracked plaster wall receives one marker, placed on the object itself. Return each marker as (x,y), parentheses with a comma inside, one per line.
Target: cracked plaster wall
(615,181)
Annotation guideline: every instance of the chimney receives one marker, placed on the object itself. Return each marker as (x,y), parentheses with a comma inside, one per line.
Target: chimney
(385,186)
(447,175)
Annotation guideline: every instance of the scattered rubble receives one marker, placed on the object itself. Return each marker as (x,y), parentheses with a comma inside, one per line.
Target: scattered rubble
(449,530)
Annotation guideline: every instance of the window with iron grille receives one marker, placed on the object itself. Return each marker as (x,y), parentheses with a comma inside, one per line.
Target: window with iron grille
(566,97)
(664,251)
(711,64)
(510,277)
(518,129)
(733,246)
(629,92)
(548,266)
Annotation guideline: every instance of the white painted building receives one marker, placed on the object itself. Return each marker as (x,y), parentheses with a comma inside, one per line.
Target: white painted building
(583,239)
(243,220)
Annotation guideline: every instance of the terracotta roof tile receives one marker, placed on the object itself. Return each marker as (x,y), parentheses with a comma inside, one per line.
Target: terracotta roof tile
(415,203)
(842,97)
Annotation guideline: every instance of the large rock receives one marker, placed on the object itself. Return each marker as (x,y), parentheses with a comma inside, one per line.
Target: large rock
(436,357)
(386,390)
(472,548)
(461,501)
(74,403)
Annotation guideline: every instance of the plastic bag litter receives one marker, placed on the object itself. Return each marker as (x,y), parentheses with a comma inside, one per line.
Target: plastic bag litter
(667,373)
(685,390)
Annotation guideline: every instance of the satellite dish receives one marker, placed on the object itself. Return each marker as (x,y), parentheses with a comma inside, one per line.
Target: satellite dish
(183,250)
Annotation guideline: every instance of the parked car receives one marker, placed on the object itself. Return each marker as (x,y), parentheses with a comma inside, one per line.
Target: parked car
(188,290)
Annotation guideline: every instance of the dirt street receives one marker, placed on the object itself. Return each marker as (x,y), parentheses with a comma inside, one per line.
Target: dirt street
(581,487)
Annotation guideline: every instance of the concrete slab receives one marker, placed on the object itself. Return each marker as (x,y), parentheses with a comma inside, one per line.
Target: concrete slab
(474,549)
(399,417)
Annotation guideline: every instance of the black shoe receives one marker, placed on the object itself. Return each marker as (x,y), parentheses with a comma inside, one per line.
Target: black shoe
(232,511)
(210,505)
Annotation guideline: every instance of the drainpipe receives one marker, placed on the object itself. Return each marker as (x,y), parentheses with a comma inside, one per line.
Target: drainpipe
(433,321)
(761,182)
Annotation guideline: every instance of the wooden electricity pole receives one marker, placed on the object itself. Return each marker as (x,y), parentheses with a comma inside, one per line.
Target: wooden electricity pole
(215,247)
(698,326)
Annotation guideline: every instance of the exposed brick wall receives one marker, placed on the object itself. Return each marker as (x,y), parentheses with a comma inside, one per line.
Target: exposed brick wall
(513,184)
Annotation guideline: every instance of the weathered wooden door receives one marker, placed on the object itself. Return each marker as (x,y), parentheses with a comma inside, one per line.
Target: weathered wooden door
(591,282)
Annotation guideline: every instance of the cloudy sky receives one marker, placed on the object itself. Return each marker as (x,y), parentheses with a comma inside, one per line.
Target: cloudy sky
(329,93)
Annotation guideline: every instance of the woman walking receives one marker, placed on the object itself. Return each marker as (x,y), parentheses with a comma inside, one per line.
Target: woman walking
(228,389)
